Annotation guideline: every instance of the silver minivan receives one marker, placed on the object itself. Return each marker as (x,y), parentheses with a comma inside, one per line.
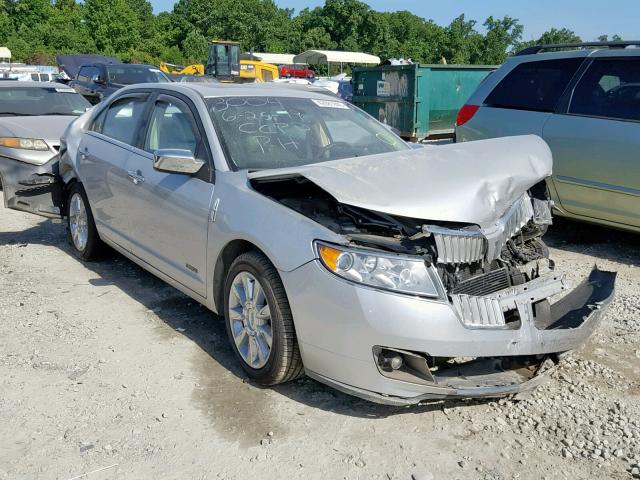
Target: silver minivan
(330,246)
(585,103)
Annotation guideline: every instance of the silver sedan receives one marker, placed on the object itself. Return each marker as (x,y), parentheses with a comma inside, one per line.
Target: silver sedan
(33,116)
(330,246)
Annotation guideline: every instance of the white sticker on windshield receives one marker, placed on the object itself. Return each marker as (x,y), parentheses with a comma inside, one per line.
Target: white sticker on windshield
(154,70)
(330,104)
(65,90)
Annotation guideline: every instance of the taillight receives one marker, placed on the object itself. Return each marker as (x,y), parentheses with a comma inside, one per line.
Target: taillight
(466,113)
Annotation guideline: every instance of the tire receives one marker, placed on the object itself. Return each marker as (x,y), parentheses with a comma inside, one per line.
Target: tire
(86,243)
(247,327)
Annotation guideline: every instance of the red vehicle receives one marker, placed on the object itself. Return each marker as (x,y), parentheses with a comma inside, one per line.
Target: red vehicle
(296,71)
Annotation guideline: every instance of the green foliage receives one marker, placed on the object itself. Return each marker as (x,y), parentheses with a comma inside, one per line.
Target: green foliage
(552,37)
(194,47)
(37,30)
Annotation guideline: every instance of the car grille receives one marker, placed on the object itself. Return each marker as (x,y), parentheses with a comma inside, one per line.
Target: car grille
(479,311)
(468,245)
(507,226)
(484,284)
(459,246)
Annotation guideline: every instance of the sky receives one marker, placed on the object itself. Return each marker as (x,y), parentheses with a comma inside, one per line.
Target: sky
(588,18)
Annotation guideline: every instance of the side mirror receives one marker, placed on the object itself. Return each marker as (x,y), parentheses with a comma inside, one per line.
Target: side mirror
(176,161)
(97,78)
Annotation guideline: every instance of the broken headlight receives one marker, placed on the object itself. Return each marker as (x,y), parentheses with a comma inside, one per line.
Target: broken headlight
(396,273)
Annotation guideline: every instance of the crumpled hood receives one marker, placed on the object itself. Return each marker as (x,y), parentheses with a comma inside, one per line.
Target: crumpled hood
(48,128)
(471,182)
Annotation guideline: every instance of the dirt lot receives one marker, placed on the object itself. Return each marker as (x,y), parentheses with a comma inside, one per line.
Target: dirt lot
(106,371)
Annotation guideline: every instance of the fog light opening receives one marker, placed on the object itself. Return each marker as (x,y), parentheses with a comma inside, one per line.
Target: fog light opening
(389,360)
(402,365)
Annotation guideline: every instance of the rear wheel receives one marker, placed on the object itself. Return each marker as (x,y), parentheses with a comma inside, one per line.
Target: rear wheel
(259,321)
(82,231)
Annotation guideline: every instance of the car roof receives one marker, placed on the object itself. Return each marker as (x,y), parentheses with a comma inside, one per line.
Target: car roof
(56,85)
(213,90)
(581,53)
(130,65)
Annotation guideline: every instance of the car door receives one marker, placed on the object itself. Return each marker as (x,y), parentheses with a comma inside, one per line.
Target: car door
(104,151)
(100,83)
(596,143)
(82,83)
(169,212)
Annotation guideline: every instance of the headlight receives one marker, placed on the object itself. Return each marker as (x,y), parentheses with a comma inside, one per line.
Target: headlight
(24,143)
(380,270)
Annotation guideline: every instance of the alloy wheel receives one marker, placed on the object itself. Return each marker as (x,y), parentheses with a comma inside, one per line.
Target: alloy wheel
(250,320)
(78,222)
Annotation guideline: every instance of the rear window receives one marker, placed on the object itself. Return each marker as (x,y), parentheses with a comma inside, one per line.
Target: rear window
(534,85)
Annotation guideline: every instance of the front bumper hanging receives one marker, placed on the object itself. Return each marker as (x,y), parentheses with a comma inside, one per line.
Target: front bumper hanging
(563,326)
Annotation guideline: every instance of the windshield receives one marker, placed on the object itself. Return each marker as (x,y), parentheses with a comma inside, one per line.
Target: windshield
(273,132)
(49,100)
(130,74)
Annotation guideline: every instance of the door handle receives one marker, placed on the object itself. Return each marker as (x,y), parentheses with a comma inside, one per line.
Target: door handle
(135,176)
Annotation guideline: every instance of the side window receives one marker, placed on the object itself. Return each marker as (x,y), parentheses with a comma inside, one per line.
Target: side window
(609,88)
(534,85)
(85,74)
(34,77)
(96,126)
(172,126)
(121,119)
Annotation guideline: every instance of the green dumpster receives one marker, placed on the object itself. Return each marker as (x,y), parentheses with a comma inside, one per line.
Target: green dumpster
(421,101)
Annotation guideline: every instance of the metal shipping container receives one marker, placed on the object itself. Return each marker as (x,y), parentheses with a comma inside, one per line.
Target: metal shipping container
(419,100)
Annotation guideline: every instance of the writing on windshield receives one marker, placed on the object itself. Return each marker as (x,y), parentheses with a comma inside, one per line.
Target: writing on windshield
(270,132)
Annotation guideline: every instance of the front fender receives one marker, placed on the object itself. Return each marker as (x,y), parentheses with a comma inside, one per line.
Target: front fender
(283,235)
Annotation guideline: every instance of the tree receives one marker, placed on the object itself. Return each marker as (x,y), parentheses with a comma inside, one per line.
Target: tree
(113,24)
(605,38)
(195,47)
(37,30)
(501,36)
(462,43)
(256,24)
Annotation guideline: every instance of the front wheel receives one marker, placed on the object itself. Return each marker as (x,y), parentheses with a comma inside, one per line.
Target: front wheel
(259,321)
(82,231)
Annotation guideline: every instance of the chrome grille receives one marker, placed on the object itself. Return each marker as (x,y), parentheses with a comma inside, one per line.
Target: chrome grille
(516,217)
(458,246)
(479,311)
(467,245)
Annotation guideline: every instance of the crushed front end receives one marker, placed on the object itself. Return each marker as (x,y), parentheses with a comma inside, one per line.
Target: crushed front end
(495,315)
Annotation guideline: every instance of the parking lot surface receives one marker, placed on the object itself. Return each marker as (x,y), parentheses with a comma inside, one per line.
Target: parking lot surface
(109,372)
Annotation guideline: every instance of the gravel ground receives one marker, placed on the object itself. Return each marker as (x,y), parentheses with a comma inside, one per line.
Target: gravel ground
(108,373)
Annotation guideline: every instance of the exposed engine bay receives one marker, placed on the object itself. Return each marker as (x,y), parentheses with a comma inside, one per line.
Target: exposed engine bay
(469,260)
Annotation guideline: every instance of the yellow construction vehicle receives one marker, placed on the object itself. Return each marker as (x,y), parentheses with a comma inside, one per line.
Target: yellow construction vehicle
(259,71)
(224,63)
(172,69)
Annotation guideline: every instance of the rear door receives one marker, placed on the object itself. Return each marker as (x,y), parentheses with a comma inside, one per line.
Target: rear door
(104,152)
(523,101)
(596,143)
(169,212)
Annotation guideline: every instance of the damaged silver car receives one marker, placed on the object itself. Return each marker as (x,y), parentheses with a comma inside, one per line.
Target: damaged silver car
(33,116)
(330,246)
